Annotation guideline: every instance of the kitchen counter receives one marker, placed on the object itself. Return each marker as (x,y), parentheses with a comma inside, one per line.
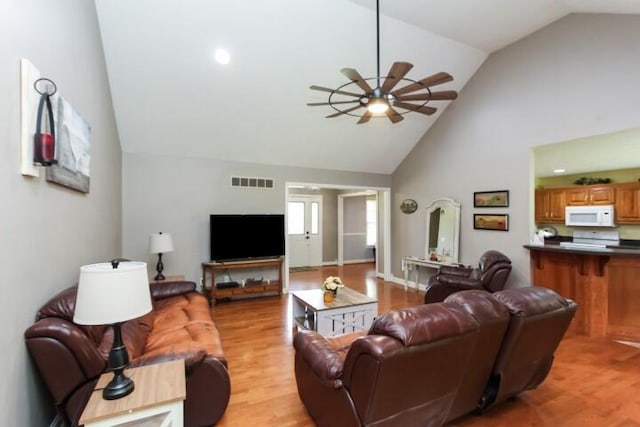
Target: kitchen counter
(611,250)
(603,281)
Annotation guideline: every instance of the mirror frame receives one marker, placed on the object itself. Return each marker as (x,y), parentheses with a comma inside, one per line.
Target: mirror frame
(445,203)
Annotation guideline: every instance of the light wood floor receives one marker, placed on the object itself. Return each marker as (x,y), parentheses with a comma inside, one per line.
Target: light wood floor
(592,382)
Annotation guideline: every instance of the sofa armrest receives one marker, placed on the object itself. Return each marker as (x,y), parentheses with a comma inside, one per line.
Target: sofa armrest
(324,356)
(457,270)
(190,358)
(460,282)
(160,290)
(64,355)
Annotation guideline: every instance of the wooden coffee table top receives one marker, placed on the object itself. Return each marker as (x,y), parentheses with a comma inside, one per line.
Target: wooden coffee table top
(346,297)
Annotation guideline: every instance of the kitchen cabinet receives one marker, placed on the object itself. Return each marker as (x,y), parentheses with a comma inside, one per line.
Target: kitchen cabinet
(590,195)
(627,206)
(549,205)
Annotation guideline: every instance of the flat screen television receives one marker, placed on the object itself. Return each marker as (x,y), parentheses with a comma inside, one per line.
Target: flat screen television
(246,236)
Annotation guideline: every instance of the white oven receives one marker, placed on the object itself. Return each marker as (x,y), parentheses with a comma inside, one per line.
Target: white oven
(589,216)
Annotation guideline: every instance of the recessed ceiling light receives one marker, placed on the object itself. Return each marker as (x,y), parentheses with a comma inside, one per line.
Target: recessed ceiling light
(222,56)
(559,170)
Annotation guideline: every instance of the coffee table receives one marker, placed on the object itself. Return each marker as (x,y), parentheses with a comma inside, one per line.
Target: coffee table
(349,311)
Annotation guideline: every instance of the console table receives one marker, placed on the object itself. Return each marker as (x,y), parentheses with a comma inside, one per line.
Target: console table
(213,293)
(411,263)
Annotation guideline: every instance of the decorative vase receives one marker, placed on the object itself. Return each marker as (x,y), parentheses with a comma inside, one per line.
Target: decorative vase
(328,296)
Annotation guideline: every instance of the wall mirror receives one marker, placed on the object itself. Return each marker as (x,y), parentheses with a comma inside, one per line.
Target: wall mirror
(443,230)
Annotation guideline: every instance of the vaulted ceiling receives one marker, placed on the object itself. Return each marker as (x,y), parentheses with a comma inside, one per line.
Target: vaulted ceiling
(171,97)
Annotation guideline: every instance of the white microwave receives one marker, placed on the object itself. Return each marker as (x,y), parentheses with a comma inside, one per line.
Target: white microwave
(589,216)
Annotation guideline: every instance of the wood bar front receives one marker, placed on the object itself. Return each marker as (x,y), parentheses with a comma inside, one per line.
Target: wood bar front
(605,283)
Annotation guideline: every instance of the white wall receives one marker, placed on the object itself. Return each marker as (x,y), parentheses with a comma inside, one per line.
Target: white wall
(574,78)
(177,195)
(49,231)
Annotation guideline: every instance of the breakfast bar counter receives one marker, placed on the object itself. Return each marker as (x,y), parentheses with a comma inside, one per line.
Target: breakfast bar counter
(604,281)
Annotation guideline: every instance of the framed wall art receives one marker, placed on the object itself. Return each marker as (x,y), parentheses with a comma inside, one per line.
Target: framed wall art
(491,199)
(499,222)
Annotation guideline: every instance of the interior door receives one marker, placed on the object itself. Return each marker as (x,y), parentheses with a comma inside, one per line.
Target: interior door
(304,220)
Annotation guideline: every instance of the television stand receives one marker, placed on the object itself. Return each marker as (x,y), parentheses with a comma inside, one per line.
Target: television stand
(215,293)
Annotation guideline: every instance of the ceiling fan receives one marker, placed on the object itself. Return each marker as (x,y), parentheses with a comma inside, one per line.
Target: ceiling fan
(383,99)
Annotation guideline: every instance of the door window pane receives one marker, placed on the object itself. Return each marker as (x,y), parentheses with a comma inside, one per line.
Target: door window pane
(315,226)
(295,217)
(372,222)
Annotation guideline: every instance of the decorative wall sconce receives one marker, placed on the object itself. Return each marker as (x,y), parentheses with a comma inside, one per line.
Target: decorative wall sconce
(44,143)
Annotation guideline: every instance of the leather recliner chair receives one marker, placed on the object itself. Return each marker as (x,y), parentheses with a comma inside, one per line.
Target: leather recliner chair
(537,319)
(491,275)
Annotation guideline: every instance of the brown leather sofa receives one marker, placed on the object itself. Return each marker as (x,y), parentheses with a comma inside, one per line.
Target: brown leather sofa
(430,364)
(71,357)
(490,275)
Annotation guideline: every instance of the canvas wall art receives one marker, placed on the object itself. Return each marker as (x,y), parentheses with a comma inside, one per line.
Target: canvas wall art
(73,149)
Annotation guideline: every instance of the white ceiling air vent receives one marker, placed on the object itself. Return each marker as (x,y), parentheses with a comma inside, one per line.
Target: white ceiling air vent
(251,182)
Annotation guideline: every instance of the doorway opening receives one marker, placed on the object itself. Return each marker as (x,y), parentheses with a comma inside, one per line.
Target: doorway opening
(338,241)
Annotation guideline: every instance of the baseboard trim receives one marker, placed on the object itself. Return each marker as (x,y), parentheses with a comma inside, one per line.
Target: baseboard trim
(409,283)
(359,261)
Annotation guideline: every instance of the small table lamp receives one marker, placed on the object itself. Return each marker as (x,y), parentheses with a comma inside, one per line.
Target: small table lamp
(160,243)
(111,293)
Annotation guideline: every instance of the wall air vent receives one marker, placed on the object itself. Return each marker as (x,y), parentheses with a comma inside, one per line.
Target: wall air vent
(251,182)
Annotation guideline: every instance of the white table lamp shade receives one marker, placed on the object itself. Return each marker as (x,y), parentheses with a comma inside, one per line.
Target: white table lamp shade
(160,243)
(108,295)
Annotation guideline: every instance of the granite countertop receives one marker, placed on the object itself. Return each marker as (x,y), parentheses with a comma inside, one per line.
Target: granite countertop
(626,247)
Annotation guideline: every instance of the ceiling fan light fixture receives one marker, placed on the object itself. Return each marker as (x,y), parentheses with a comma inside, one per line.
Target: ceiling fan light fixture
(377,106)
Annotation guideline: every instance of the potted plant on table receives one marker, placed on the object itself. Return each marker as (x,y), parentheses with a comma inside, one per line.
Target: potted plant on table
(330,287)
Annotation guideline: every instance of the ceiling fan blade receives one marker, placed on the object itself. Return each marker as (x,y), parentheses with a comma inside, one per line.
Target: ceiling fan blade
(339,113)
(444,95)
(365,117)
(315,104)
(340,92)
(396,73)
(394,116)
(433,80)
(424,109)
(356,78)
(435,96)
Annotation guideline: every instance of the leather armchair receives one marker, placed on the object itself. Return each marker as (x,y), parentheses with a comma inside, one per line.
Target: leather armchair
(490,275)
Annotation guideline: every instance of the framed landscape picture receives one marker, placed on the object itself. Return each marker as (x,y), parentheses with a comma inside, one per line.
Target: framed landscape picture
(491,199)
(498,222)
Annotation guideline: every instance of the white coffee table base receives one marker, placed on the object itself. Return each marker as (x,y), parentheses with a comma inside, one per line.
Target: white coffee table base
(350,311)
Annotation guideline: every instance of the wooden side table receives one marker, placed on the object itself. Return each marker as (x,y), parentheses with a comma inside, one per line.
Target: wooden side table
(156,400)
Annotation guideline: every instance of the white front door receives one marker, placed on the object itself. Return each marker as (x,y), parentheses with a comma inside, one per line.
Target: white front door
(304,221)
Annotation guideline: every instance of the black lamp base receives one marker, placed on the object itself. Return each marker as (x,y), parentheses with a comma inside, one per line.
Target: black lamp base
(159,268)
(118,387)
